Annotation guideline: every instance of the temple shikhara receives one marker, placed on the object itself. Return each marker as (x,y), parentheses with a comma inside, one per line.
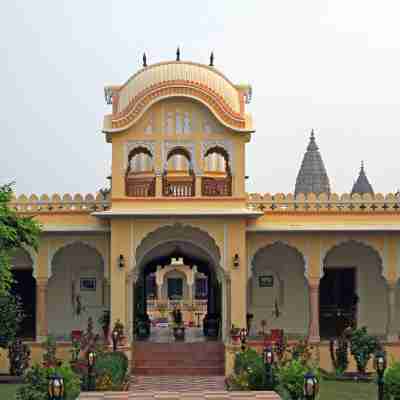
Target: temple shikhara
(176,230)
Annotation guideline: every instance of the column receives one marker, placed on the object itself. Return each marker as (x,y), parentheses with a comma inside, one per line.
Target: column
(159,185)
(198,186)
(41,309)
(130,318)
(391,334)
(313,293)
(190,290)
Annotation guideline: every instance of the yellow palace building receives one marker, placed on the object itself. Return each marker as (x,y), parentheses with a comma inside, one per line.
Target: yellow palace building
(178,228)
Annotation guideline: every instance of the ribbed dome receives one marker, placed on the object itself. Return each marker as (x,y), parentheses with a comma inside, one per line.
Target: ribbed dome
(312,177)
(179,71)
(362,185)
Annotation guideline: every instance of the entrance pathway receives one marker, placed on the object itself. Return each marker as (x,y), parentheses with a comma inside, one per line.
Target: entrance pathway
(177,383)
(165,335)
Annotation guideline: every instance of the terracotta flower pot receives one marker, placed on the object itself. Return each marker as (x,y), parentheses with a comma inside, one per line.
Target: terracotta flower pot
(235,339)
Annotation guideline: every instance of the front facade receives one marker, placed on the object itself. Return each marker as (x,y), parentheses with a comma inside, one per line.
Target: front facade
(178,226)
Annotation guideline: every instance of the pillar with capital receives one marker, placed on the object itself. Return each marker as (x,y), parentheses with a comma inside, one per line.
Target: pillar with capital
(391,331)
(41,308)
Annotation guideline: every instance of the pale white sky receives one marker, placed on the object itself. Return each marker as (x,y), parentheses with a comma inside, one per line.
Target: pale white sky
(329,65)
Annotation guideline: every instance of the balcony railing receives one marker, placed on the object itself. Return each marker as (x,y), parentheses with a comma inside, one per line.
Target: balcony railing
(140,186)
(179,186)
(218,186)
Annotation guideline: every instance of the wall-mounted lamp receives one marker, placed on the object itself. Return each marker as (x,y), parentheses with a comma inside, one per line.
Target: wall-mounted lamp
(121,261)
(236,262)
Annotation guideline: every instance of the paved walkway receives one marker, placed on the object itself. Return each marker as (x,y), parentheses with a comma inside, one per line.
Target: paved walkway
(177,383)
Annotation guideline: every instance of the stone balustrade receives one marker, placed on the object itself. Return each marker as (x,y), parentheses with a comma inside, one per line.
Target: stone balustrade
(57,204)
(255,201)
(324,202)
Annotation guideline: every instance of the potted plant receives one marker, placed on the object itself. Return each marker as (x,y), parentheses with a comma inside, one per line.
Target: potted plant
(235,334)
(178,327)
(362,346)
(119,327)
(104,320)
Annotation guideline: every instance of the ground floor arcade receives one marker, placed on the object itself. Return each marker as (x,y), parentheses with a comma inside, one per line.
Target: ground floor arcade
(309,285)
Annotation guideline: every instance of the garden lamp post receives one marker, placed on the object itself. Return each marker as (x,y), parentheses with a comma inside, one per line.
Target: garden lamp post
(269,362)
(243,335)
(311,386)
(380,366)
(115,337)
(91,361)
(56,387)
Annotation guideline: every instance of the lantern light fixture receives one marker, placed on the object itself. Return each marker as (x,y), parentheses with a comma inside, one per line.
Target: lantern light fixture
(115,337)
(56,387)
(236,261)
(311,386)
(268,356)
(380,365)
(121,261)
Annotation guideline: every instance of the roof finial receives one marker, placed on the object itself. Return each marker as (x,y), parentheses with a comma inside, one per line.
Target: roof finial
(144,60)
(178,54)
(212,59)
(362,165)
(312,134)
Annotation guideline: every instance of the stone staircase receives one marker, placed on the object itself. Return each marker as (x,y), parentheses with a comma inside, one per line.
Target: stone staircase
(178,359)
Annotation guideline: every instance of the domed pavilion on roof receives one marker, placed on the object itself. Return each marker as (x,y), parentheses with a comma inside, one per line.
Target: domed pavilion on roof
(177,230)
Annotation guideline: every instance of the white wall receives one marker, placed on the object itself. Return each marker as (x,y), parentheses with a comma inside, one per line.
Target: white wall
(370,285)
(290,290)
(69,266)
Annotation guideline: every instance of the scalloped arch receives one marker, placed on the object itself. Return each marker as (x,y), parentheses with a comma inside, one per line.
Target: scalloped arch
(360,242)
(211,100)
(185,233)
(54,251)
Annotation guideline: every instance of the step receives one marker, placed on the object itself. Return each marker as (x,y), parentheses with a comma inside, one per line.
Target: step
(177,363)
(177,371)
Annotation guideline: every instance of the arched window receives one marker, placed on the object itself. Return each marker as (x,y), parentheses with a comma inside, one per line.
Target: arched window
(216,160)
(140,160)
(179,160)
(140,177)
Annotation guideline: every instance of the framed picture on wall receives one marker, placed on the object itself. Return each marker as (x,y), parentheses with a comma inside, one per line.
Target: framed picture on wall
(266,281)
(88,284)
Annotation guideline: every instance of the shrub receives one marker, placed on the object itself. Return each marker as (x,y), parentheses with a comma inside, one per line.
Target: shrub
(291,377)
(249,371)
(362,346)
(49,355)
(37,380)
(339,354)
(115,366)
(19,355)
(11,316)
(392,380)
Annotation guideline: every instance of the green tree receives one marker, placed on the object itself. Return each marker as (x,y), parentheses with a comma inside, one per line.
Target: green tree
(15,232)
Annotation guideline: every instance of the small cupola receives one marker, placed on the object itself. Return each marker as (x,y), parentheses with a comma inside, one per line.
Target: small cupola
(362,185)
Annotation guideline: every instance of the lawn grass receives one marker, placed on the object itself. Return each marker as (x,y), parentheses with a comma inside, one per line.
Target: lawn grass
(8,390)
(334,390)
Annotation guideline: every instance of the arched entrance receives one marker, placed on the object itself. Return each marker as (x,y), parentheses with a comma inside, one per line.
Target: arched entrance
(24,287)
(178,267)
(352,290)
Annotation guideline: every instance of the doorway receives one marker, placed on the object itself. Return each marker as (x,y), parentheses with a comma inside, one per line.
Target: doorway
(338,301)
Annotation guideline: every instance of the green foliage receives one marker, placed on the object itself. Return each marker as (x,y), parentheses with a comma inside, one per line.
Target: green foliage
(37,379)
(19,355)
(11,315)
(249,370)
(15,232)
(291,377)
(115,366)
(49,355)
(339,354)
(362,346)
(392,380)
(104,319)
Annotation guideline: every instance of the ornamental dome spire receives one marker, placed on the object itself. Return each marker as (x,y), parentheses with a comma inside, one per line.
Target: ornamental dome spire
(312,176)
(362,185)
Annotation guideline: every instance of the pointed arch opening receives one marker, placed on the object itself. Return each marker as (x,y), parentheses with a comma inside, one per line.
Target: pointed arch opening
(277,285)
(352,289)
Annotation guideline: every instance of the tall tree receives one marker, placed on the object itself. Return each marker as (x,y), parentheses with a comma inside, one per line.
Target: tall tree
(15,231)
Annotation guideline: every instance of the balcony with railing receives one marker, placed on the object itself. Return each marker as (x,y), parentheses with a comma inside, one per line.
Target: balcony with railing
(216,184)
(140,185)
(179,185)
